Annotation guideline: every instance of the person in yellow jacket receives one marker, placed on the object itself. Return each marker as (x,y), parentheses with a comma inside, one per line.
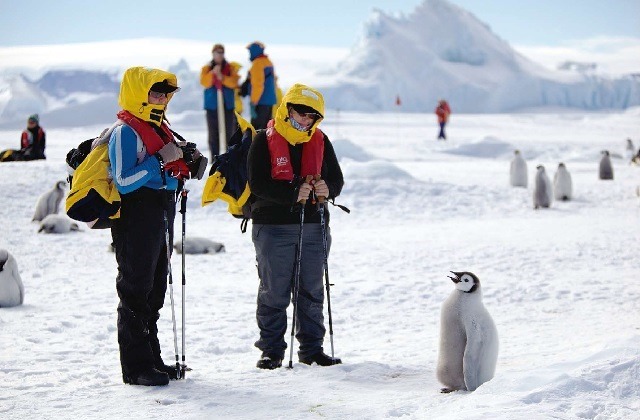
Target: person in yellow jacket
(215,75)
(262,85)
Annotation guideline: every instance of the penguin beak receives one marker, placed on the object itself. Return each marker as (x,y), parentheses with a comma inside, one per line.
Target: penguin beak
(455,279)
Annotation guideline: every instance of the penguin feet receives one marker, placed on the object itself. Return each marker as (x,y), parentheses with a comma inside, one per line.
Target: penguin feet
(447,390)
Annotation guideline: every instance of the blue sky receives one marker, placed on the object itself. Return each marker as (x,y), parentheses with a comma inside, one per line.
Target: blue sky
(334,23)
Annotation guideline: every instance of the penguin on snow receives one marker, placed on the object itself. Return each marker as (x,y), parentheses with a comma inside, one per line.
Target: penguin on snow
(55,223)
(562,185)
(11,287)
(468,337)
(606,169)
(196,245)
(49,202)
(518,171)
(542,190)
(630,150)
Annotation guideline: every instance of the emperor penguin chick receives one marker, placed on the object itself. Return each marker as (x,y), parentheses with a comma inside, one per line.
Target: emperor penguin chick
(606,169)
(11,287)
(542,189)
(518,171)
(468,337)
(49,202)
(562,185)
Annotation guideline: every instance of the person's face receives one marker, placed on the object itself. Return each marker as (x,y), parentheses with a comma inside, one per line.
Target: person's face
(157,98)
(218,56)
(31,123)
(304,119)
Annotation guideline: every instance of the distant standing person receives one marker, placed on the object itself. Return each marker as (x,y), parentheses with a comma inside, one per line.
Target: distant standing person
(32,141)
(262,86)
(442,111)
(215,75)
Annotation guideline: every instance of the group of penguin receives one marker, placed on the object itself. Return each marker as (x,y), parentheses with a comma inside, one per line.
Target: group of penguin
(544,191)
(46,213)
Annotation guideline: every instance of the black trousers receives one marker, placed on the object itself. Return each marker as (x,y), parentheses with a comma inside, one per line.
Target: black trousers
(141,253)
(213,127)
(262,117)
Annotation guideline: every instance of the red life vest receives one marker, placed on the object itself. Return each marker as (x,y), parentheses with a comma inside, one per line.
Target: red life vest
(153,142)
(312,155)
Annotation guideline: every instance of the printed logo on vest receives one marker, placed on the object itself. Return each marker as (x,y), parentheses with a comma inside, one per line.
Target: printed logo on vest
(282,161)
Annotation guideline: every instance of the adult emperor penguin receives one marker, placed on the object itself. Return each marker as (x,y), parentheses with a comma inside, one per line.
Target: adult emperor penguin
(518,170)
(468,337)
(195,245)
(11,287)
(49,202)
(606,169)
(542,190)
(56,223)
(562,185)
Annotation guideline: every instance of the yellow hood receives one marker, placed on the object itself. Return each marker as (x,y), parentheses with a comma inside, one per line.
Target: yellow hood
(303,95)
(134,92)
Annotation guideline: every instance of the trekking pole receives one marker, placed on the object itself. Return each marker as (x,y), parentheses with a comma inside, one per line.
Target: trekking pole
(183,210)
(222,123)
(296,277)
(168,246)
(321,205)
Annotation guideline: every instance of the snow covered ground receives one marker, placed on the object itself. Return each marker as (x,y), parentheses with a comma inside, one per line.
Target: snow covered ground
(561,283)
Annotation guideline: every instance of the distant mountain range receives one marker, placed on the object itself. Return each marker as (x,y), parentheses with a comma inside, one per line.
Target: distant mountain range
(437,51)
(443,51)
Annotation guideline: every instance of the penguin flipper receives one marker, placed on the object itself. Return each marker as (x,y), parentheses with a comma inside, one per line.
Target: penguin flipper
(471,363)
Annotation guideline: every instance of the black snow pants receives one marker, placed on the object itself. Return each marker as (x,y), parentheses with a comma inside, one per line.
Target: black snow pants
(141,253)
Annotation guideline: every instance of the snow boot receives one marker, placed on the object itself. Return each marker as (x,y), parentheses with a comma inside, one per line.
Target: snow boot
(149,377)
(269,362)
(320,359)
(170,370)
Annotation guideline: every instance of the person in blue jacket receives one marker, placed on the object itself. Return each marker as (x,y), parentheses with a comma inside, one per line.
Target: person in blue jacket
(147,167)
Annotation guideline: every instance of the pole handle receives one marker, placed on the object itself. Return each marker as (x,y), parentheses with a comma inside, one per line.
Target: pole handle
(307,179)
(183,200)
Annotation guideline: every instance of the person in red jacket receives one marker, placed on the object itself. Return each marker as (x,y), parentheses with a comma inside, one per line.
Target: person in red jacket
(442,111)
(32,141)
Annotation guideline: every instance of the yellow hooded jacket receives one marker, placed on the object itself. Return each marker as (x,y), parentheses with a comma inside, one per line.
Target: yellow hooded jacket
(216,185)
(134,92)
(302,95)
(93,196)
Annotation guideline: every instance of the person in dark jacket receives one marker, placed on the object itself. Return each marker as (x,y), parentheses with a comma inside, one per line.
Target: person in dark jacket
(32,140)
(215,75)
(147,168)
(280,158)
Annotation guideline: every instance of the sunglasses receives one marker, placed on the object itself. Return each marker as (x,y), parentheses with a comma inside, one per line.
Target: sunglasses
(157,95)
(313,115)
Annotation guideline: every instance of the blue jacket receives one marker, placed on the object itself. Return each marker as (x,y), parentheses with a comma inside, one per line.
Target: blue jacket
(131,166)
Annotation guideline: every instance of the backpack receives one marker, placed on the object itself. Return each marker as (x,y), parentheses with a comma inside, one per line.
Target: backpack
(228,179)
(93,197)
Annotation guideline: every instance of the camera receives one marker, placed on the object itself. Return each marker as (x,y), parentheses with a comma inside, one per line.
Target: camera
(196,162)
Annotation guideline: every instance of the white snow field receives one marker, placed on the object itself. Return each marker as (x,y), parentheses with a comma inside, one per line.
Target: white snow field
(561,283)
